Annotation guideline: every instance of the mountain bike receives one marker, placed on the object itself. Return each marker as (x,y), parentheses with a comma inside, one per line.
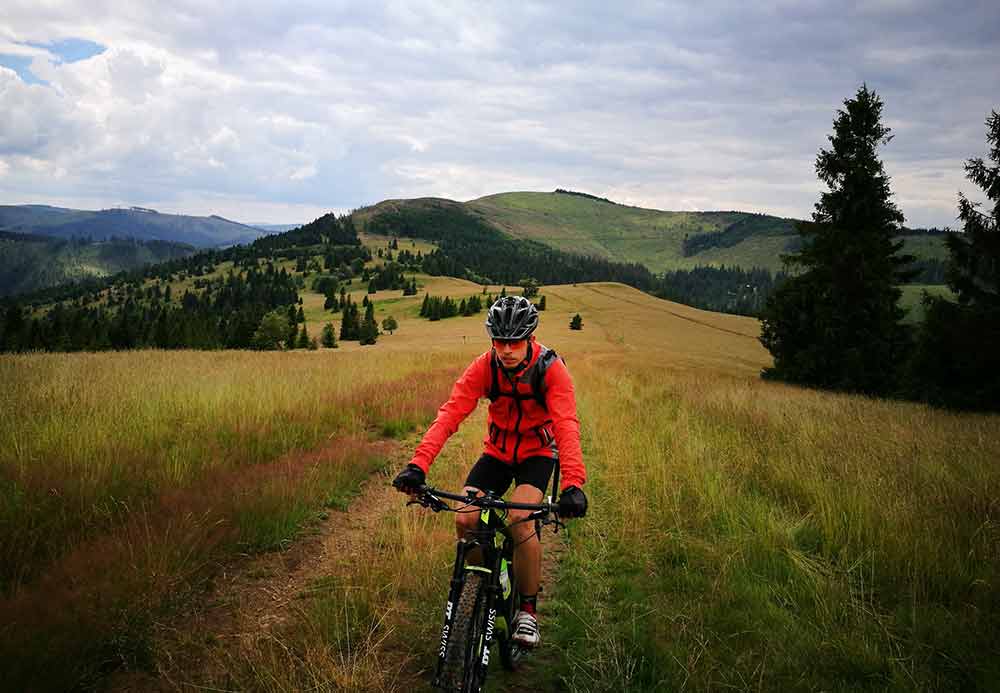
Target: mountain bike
(483,596)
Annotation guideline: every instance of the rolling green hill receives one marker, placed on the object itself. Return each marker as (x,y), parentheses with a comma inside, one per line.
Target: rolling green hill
(591,226)
(30,262)
(134,222)
(660,240)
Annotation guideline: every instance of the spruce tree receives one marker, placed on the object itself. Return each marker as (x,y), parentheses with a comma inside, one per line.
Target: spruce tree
(303,342)
(576,323)
(369,328)
(329,341)
(957,362)
(837,323)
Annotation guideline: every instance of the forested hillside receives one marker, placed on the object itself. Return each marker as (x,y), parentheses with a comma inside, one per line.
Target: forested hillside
(30,262)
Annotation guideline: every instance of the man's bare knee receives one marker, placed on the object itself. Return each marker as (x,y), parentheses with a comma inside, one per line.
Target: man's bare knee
(467,518)
(522,528)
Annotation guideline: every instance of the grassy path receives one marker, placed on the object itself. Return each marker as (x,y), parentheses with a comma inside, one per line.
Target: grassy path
(353,605)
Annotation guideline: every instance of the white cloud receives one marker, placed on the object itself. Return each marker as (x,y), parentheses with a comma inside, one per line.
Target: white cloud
(318,105)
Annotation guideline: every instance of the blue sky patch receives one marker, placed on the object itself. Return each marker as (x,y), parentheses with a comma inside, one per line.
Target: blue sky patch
(71,50)
(22,66)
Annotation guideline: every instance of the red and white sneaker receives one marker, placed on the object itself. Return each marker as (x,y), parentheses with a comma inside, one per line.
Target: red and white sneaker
(524,630)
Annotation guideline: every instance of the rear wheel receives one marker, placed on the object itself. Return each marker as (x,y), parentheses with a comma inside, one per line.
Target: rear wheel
(458,673)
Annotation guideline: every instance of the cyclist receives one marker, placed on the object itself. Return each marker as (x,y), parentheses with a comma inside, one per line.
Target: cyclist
(532,425)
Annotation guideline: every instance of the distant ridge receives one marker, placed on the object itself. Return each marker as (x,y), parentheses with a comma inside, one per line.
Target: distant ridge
(141,223)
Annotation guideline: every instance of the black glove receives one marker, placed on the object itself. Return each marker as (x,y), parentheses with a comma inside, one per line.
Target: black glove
(572,503)
(409,479)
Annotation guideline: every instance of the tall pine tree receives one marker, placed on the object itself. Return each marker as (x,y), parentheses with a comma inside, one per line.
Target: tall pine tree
(957,362)
(837,322)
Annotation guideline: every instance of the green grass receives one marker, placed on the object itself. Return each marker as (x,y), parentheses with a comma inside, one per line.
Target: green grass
(743,534)
(592,227)
(650,237)
(779,539)
(165,465)
(912,299)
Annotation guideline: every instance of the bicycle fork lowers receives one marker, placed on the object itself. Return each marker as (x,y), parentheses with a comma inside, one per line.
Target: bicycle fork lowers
(480,604)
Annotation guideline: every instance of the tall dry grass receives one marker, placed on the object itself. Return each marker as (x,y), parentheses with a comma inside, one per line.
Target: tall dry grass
(127,478)
(742,534)
(756,536)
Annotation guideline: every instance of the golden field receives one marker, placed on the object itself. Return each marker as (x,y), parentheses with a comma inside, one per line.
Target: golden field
(743,534)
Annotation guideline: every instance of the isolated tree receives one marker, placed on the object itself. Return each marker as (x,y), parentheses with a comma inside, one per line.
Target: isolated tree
(369,328)
(390,325)
(529,287)
(957,360)
(541,303)
(837,323)
(576,323)
(349,323)
(272,331)
(328,338)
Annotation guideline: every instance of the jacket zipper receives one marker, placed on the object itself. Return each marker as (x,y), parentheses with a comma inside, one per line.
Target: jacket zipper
(517,426)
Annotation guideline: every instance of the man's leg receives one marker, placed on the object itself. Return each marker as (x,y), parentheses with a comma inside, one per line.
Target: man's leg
(527,566)
(527,548)
(466,519)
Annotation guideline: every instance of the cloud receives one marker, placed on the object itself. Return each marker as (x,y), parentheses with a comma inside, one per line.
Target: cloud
(318,105)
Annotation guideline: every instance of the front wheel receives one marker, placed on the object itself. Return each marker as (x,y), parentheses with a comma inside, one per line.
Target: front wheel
(459,673)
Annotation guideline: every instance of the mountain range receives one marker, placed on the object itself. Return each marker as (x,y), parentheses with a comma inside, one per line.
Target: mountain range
(133,222)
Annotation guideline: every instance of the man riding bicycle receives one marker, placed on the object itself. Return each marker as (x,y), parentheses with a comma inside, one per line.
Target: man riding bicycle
(532,426)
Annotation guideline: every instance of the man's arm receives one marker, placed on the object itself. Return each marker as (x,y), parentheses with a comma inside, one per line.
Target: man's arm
(561,402)
(465,395)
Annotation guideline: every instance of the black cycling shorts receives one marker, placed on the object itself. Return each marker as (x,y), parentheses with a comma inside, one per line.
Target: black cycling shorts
(490,474)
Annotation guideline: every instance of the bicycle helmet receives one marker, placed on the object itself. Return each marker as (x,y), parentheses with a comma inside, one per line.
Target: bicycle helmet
(511,317)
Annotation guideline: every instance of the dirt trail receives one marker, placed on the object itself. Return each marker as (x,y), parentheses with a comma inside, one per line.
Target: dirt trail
(257,594)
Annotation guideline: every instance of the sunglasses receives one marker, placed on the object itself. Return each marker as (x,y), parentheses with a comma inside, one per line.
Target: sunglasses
(512,343)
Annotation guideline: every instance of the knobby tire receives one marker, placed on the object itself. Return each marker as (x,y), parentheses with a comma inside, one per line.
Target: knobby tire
(458,673)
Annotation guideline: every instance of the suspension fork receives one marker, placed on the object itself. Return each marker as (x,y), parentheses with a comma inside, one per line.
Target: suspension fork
(462,548)
(491,611)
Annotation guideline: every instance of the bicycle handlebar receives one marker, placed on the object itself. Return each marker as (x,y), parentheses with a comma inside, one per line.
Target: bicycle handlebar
(486,501)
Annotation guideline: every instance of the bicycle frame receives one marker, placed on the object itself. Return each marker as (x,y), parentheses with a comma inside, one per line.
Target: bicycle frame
(492,545)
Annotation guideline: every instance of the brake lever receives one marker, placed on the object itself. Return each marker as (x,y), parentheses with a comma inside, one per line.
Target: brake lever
(429,501)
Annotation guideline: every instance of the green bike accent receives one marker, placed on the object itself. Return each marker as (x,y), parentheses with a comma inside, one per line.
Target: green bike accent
(479,568)
(485,516)
(502,623)
(498,540)
(504,580)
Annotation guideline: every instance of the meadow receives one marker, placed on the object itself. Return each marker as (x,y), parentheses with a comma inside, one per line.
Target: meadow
(742,534)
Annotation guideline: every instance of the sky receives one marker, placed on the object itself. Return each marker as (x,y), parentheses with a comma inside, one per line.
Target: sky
(280,112)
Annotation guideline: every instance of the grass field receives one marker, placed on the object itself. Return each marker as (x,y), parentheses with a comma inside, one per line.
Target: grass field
(743,534)
(651,237)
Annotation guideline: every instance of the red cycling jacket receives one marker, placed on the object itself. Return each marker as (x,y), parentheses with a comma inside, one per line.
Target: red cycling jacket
(520,425)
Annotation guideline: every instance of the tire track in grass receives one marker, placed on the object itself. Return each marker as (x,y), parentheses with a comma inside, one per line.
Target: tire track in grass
(257,594)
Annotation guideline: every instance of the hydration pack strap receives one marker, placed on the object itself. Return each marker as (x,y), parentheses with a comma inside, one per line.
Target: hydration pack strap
(536,380)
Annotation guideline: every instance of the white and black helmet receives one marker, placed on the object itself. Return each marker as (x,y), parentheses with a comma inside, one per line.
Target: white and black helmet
(511,317)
